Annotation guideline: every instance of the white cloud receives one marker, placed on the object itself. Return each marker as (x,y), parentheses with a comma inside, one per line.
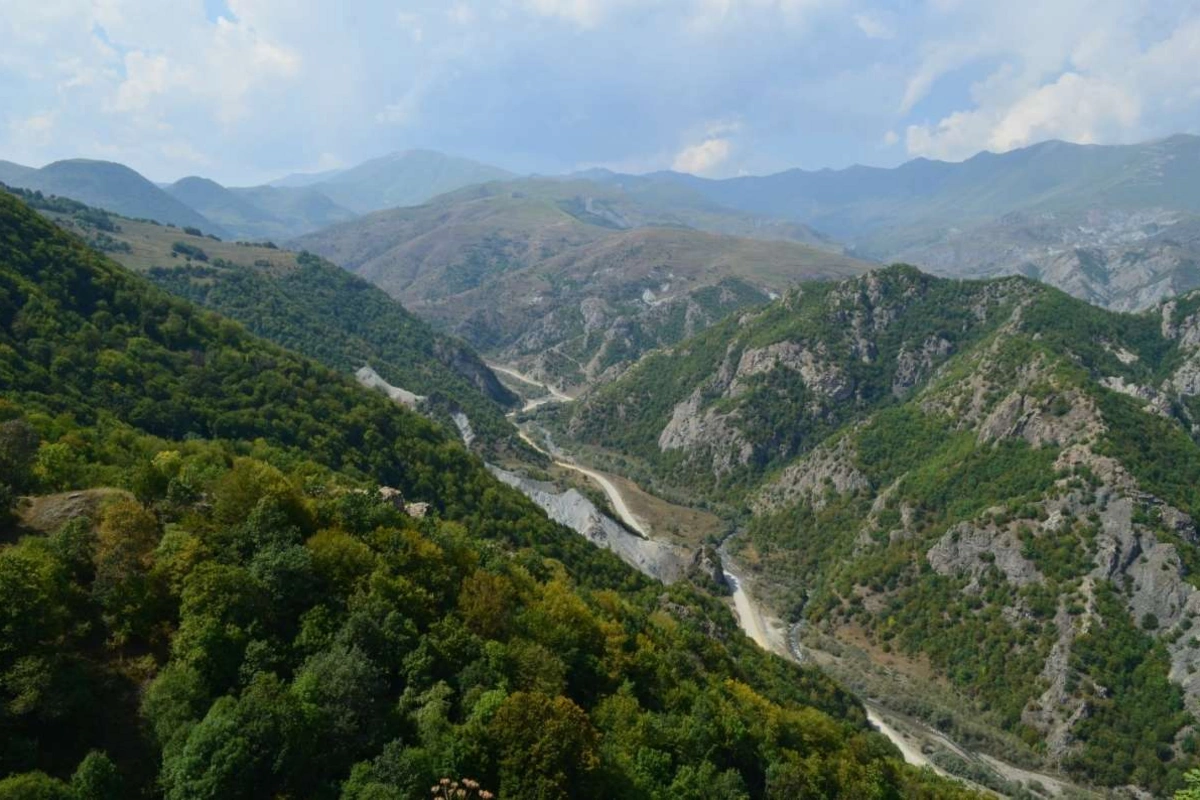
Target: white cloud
(890,138)
(461,14)
(1080,71)
(1075,108)
(873,26)
(703,158)
(146,76)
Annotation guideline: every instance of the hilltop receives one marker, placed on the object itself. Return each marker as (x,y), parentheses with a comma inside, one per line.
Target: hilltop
(113,187)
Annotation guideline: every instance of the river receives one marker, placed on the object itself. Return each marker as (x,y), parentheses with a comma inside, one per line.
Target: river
(749,616)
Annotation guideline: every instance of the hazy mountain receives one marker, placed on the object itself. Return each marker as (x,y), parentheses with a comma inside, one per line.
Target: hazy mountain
(935,214)
(406,178)
(220,205)
(114,187)
(12,174)
(676,203)
(300,210)
(988,488)
(572,279)
(260,213)
(300,179)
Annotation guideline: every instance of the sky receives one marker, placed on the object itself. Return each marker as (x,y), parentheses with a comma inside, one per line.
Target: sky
(244,91)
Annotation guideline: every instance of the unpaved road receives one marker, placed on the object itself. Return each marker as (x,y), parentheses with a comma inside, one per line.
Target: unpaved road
(912,754)
(610,490)
(555,394)
(747,614)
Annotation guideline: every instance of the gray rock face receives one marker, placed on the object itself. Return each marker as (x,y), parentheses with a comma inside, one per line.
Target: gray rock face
(664,562)
(1124,260)
(693,429)
(914,366)
(971,550)
(821,376)
(825,469)
(371,379)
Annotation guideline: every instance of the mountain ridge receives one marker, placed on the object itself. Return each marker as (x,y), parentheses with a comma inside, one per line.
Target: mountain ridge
(960,479)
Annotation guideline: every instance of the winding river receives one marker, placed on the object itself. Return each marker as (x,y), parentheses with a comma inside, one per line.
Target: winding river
(749,616)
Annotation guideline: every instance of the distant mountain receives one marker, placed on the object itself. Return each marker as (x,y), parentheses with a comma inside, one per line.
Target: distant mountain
(298,180)
(112,187)
(406,178)
(976,498)
(13,174)
(219,204)
(299,210)
(260,213)
(933,213)
(569,278)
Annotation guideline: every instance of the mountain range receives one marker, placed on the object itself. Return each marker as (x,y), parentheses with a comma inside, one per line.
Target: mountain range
(284,209)
(1111,224)
(972,502)
(231,572)
(987,488)
(571,279)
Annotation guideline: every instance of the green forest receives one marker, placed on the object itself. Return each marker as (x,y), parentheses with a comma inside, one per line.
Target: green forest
(204,595)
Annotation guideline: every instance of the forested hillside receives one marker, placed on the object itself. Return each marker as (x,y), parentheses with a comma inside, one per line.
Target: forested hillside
(308,305)
(204,594)
(989,486)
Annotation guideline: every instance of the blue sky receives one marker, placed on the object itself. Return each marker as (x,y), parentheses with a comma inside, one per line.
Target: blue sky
(246,90)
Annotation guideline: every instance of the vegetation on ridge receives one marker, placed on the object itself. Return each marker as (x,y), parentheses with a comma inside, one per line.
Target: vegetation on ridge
(246,616)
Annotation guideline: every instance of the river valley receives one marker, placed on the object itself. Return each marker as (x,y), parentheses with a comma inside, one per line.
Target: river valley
(918,743)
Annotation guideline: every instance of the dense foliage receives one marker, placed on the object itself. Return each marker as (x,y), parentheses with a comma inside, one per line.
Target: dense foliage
(318,310)
(959,522)
(244,615)
(342,321)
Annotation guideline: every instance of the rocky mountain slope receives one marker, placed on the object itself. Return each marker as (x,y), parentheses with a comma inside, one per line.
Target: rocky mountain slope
(989,484)
(309,305)
(254,617)
(573,280)
(1124,260)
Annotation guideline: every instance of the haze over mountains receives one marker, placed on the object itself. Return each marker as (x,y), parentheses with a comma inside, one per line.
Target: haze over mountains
(287,208)
(1114,225)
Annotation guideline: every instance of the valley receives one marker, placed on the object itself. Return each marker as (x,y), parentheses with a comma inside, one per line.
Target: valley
(921,745)
(600,400)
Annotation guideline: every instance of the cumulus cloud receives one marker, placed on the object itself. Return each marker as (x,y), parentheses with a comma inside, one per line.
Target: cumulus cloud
(703,158)
(1086,73)
(707,86)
